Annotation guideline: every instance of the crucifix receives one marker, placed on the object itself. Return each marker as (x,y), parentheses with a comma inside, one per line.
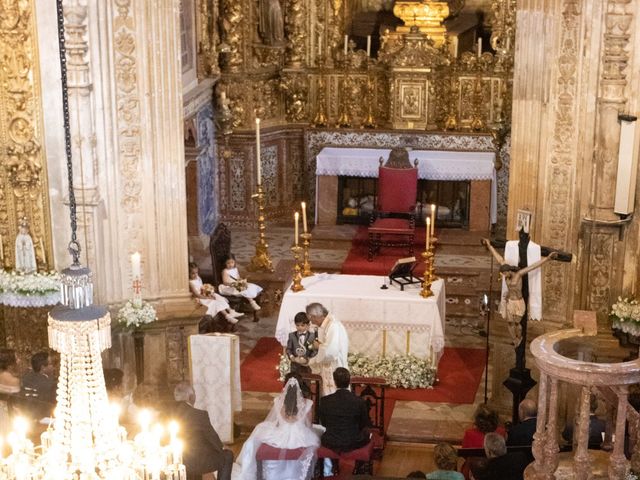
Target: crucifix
(515,308)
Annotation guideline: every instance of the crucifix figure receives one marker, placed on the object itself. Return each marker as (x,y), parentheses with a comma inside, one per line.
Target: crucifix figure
(512,305)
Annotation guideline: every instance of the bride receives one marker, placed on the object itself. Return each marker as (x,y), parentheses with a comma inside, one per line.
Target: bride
(288,426)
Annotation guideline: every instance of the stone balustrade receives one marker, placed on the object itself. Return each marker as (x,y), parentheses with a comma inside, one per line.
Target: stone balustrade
(611,380)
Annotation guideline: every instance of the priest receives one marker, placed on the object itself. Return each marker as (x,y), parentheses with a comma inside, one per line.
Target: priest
(332,345)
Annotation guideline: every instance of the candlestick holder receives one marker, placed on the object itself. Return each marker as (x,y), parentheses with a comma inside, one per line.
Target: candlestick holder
(432,248)
(344,121)
(320,119)
(296,285)
(261,260)
(369,121)
(306,244)
(427,258)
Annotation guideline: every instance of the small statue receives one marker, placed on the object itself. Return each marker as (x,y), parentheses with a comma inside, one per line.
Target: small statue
(25,253)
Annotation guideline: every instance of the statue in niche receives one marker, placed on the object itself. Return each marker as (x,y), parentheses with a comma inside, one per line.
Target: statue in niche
(271,22)
(25,253)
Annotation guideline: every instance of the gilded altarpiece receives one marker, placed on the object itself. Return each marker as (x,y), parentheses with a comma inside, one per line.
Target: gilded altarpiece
(23,172)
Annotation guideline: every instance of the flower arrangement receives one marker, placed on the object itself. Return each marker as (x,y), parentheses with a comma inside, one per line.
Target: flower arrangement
(631,476)
(625,316)
(407,371)
(29,284)
(208,290)
(133,314)
(240,285)
(284,366)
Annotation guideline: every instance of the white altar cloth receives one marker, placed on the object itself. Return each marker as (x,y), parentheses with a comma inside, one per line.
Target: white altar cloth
(377,321)
(214,361)
(432,165)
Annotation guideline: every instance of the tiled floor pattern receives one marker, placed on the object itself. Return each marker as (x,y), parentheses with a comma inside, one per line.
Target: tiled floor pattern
(411,421)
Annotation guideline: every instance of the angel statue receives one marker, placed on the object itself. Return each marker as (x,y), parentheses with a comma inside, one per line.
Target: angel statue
(25,253)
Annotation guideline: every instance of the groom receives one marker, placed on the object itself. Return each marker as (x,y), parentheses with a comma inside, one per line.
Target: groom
(332,346)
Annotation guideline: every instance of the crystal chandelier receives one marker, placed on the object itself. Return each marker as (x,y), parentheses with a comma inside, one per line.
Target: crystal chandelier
(85,440)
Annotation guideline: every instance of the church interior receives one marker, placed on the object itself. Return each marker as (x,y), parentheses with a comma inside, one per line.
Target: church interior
(454,182)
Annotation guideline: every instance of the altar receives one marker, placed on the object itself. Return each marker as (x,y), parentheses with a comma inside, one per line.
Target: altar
(475,167)
(378,321)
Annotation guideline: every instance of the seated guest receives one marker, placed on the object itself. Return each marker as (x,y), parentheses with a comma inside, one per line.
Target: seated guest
(203,449)
(446,459)
(9,381)
(485,421)
(597,426)
(40,381)
(522,433)
(344,415)
(500,464)
(233,284)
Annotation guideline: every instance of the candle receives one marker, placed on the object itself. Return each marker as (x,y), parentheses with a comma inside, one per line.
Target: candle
(296,217)
(346,44)
(455,47)
(428,232)
(368,45)
(44,255)
(479,47)
(223,95)
(135,265)
(258,167)
(320,45)
(433,219)
(1,250)
(304,216)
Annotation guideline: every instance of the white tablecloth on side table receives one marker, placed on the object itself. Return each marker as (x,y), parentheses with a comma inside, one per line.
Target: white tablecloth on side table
(377,321)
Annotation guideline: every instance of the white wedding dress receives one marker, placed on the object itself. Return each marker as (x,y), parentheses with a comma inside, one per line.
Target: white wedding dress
(285,430)
(215,304)
(229,275)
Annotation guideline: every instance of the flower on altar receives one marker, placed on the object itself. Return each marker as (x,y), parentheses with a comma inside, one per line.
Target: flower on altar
(36,284)
(284,366)
(133,314)
(406,371)
(625,316)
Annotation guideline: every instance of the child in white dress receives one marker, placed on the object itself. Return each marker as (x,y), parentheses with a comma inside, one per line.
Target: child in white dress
(231,275)
(215,303)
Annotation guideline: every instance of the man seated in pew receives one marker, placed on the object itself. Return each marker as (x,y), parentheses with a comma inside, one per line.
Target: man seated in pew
(500,464)
(597,426)
(40,382)
(522,434)
(344,415)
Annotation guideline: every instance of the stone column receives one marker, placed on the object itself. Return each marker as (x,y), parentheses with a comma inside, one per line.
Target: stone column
(581,460)
(618,461)
(539,438)
(126,103)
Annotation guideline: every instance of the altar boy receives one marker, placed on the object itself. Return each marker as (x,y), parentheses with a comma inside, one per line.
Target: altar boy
(300,344)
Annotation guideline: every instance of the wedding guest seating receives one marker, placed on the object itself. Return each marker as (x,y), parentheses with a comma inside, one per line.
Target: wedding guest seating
(220,249)
(393,223)
(267,452)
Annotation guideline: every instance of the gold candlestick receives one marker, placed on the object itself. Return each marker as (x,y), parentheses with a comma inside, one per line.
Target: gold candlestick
(306,266)
(296,285)
(369,121)
(427,258)
(261,260)
(344,121)
(320,119)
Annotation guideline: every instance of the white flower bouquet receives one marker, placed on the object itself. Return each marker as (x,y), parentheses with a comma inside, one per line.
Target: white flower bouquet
(29,290)
(284,366)
(132,314)
(241,284)
(625,316)
(406,371)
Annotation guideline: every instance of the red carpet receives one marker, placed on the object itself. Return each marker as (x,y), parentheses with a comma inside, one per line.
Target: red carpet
(356,262)
(460,371)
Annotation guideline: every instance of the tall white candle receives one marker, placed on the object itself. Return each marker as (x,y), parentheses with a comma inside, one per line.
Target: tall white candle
(320,45)
(368,45)
(135,265)
(258,166)
(1,250)
(455,47)
(304,216)
(44,254)
(428,232)
(433,218)
(479,47)
(296,217)
(346,44)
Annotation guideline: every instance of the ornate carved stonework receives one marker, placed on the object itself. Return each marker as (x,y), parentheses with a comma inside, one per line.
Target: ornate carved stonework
(295,19)
(23,175)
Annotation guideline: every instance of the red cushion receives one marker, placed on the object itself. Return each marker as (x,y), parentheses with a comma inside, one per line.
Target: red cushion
(397,189)
(391,225)
(324,452)
(363,453)
(267,452)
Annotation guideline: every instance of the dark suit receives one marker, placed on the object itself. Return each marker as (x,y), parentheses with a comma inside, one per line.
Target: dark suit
(203,452)
(522,433)
(597,427)
(39,391)
(294,342)
(507,467)
(345,416)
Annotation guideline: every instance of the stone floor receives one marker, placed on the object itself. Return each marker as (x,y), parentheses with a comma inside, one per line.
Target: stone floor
(411,421)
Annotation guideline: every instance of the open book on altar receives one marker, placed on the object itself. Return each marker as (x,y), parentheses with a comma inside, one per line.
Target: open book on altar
(402,272)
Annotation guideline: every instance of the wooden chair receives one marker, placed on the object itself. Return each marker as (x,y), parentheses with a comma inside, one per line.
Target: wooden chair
(220,249)
(314,381)
(267,452)
(392,223)
(372,390)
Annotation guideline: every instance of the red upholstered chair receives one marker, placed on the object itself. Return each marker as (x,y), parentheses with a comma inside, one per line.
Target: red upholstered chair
(393,222)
